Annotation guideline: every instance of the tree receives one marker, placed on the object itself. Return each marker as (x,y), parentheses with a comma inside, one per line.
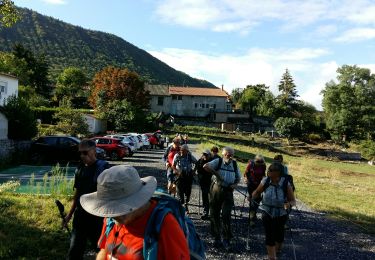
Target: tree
(123,116)
(28,94)
(70,121)
(287,98)
(8,13)
(267,105)
(117,84)
(349,105)
(251,97)
(22,124)
(70,84)
(236,95)
(289,127)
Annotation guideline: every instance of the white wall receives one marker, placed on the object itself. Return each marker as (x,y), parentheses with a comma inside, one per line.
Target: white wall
(95,125)
(3,127)
(8,87)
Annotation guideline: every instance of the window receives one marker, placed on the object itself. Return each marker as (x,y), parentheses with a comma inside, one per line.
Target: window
(174,97)
(160,101)
(3,87)
(195,105)
(67,142)
(229,107)
(201,105)
(214,106)
(207,105)
(179,97)
(50,140)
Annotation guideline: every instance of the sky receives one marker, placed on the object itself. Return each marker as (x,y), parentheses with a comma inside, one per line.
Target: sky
(236,43)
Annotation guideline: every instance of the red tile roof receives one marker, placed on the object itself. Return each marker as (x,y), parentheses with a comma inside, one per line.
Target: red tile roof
(189,91)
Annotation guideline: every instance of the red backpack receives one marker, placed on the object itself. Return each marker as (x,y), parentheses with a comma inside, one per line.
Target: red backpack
(255,173)
(172,153)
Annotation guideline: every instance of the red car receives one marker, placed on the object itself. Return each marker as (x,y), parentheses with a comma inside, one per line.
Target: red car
(113,147)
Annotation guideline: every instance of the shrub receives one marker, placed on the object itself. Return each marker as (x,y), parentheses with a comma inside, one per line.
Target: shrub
(22,124)
(314,138)
(367,149)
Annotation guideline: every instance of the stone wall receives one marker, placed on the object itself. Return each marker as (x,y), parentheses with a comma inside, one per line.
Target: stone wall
(10,147)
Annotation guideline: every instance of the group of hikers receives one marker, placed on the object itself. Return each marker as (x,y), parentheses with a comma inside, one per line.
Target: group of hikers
(141,223)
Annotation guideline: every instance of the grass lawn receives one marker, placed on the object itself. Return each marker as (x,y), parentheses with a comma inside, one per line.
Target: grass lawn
(344,191)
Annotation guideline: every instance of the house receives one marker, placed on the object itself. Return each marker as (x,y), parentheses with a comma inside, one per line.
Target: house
(8,87)
(96,125)
(188,101)
(3,127)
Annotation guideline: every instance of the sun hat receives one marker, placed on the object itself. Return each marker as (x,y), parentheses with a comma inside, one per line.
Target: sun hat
(206,151)
(120,191)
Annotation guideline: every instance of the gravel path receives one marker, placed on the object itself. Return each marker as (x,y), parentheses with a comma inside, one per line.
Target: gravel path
(311,234)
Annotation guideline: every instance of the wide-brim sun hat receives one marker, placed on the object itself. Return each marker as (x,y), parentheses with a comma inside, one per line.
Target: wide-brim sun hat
(120,191)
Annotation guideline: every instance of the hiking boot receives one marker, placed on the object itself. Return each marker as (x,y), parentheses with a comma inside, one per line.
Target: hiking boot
(205,217)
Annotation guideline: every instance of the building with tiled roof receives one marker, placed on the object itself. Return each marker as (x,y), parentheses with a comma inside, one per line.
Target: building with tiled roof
(188,101)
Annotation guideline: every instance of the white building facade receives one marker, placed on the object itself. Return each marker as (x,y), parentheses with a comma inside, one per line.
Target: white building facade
(8,87)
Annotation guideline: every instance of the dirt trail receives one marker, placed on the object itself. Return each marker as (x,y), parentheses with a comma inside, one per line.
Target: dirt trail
(311,234)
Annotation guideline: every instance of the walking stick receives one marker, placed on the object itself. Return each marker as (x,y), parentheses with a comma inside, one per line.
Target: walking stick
(248,233)
(60,206)
(199,200)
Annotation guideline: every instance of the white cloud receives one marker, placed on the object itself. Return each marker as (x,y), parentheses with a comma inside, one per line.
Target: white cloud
(257,66)
(55,2)
(358,34)
(241,16)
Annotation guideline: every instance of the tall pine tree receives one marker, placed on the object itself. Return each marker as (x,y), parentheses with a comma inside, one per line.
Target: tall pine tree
(287,98)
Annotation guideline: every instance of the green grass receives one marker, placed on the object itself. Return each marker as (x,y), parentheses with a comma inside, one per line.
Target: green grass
(344,191)
(30,227)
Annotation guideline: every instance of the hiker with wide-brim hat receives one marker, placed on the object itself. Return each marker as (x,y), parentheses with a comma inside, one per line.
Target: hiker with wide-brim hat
(125,198)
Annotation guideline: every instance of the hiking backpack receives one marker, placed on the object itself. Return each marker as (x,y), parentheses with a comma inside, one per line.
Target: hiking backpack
(253,175)
(171,154)
(221,162)
(184,164)
(167,204)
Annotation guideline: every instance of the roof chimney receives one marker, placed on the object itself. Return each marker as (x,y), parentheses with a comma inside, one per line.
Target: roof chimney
(222,87)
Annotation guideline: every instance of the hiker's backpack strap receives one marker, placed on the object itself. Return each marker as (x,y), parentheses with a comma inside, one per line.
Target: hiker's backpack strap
(109,226)
(284,185)
(235,167)
(101,165)
(219,164)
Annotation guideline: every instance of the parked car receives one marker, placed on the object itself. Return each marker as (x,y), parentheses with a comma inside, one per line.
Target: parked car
(113,147)
(134,140)
(128,142)
(146,142)
(137,137)
(58,149)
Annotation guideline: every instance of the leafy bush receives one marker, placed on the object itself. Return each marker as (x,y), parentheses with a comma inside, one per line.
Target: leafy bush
(367,149)
(22,124)
(44,129)
(314,137)
(289,127)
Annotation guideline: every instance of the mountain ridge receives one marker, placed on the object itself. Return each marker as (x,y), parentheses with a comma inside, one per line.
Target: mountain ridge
(65,45)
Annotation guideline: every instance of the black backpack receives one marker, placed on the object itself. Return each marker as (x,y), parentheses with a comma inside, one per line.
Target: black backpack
(235,167)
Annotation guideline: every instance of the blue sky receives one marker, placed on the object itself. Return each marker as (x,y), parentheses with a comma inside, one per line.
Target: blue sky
(237,42)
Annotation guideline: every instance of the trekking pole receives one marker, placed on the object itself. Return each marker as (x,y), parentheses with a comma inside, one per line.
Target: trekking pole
(199,200)
(60,206)
(248,233)
(240,192)
(243,204)
(291,234)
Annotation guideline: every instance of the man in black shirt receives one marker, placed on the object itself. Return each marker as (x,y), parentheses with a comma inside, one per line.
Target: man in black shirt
(85,226)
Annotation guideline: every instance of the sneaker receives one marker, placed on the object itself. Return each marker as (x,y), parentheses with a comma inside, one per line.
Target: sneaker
(205,217)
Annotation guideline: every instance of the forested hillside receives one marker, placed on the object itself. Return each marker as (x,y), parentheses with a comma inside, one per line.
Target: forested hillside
(67,45)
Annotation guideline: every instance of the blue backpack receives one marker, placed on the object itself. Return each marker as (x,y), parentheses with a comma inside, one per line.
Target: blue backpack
(167,204)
